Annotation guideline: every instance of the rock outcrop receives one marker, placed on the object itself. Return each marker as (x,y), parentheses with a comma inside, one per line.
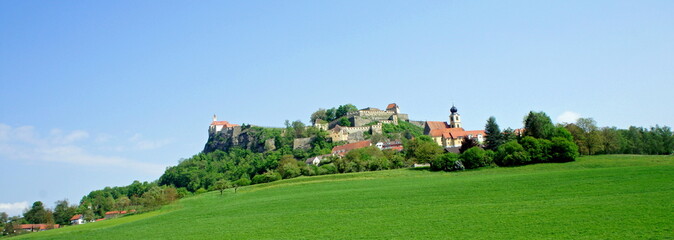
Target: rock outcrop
(243,137)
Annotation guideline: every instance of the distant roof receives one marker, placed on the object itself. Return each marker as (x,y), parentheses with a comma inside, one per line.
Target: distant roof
(370,109)
(40,226)
(392,105)
(112,212)
(436,125)
(351,146)
(223,123)
(78,216)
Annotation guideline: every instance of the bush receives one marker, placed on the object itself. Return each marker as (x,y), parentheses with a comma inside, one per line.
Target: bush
(511,153)
(200,191)
(309,170)
(475,157)
(289,170)
(269,176)
(563,150)
(538,149)
(327,169)
(447,162)
(378,163)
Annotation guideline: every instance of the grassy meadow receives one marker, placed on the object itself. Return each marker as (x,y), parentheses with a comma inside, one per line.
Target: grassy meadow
(597,197)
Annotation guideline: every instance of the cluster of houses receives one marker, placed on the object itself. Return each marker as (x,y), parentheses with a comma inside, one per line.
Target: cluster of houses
(36,227)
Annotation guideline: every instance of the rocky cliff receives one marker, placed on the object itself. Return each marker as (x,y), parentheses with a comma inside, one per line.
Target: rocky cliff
(243,137)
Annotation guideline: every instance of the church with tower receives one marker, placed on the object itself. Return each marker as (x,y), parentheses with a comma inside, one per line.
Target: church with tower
(451,134)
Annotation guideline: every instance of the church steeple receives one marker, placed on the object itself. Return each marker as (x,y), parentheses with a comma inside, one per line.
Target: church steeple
(454,118)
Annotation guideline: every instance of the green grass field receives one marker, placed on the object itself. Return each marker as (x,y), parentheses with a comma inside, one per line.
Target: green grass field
(599,197)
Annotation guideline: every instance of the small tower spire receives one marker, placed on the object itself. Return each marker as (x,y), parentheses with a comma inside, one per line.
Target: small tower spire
(454,118)
(215,118)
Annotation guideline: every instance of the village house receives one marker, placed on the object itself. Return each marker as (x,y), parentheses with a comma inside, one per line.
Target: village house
(452,134)
(341,150)
(316,160)
(36,227)
(77,219)
(393,145)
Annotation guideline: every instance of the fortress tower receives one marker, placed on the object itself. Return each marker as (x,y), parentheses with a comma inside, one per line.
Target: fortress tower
(454,118)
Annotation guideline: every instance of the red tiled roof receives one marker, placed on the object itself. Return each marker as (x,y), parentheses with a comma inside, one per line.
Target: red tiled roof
(342,149)
(112,212)
(392,105)
(443,131)
(436,125)
(37,226)
(223,123)
(78,216)
(454,133)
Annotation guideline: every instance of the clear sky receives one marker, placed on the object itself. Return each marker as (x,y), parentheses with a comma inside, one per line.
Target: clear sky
(101,93)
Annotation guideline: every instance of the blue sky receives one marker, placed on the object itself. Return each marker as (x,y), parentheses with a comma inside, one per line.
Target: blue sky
(101,93)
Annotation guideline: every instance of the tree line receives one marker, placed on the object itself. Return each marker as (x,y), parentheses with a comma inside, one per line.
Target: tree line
(592,139)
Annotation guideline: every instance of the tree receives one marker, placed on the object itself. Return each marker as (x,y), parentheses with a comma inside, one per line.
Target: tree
(344,121)
(538,149)
(593,139)
(243,181)
(3,218)
(446,162)
(538,125)
(422,149)
(299,129)
(221,185)
(467,144)
(36,214)
(563,150)
(342,110)
(475,157)
(330,114)
(319,114)
(63,211)
(511,154)
(3,221)
(494,136)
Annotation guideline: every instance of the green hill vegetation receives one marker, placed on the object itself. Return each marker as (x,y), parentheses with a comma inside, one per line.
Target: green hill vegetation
(594,197)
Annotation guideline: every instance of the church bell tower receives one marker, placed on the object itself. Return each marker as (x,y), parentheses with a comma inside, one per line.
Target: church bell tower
(454,118)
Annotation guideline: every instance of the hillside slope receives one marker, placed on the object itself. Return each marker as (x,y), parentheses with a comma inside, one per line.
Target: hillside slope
(606,197)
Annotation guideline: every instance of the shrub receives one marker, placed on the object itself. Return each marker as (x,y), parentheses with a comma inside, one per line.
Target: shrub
(538,149)
(475,157)
(327,169)
(446,162)
(266,177)
(563,150)
(309,170)
(289,170)
(200,191)
(511,153)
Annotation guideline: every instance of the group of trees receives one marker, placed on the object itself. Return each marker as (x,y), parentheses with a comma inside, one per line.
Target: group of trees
(329,115)
(136,196)
(592,139)
(38,214)
(542,142)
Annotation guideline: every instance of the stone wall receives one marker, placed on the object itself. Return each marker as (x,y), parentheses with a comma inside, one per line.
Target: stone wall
(302,143)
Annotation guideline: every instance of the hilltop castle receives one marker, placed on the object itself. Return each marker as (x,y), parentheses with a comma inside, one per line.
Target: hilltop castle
(366,121)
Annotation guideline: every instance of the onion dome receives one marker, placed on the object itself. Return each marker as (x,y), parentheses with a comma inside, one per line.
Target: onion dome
(453,109)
